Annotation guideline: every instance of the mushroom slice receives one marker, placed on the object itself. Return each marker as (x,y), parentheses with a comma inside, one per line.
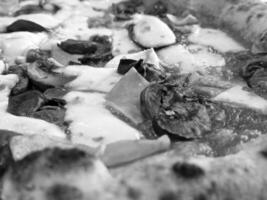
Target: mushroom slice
(23,82)
(25,104)
(151,32)
(46,74)
(52,114)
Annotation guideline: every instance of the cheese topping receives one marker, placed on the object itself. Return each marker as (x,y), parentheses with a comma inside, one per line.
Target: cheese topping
(216,39)
(91,123)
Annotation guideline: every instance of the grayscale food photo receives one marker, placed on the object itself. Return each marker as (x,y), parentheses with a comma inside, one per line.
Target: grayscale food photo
(133,99)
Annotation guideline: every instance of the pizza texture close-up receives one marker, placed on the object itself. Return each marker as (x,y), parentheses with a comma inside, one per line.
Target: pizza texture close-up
(133,99)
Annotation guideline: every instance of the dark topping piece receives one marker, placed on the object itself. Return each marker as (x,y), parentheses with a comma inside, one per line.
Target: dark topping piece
(46,73)
(25,104)
(23,82)
(187,170)
(264,153)
(78,46)
(102,54)
(36,54)
(126,64)
(52,114)
(6,158)
(179,109)
(158,9)
(25,25)
(148,71)
(255,74)
(96,50)
(55,94)
(124,10)
(64,192)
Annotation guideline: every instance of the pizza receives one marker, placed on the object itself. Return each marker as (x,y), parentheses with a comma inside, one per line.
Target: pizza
(133,99)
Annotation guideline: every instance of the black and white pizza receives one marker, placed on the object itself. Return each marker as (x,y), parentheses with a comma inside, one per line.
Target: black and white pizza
(133,99)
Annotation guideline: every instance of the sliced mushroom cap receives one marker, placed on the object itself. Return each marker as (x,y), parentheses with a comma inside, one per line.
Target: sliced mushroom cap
(52,114)
(45,78)
(23,83)
(255,74)
(25,104)
(151,32)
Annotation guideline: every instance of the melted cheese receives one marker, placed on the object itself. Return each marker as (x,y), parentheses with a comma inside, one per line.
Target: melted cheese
(216,39)
(151,32)
(190,58)
(92,78)
(18,43)
(91,123)
(122,44)
(237,95)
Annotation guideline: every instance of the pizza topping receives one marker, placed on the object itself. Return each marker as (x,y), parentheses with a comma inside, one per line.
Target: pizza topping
(191,58)
(52,114)
(35,54)
(25,25)
(23,83)
(150,32)
(95,51)
(122,152)
(47,73)
(187,170)
(125,10)
(148,71)
(255,74)
(102,54)
(78,46)
(5,152)
(25,104)
(179,109)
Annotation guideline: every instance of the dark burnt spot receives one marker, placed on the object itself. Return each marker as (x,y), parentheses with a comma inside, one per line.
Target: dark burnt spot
(260,15)
(168,195)
(264,153)
(187,170)
(64,157)
(64,192)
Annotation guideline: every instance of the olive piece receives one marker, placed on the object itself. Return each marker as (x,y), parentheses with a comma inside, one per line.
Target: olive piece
(187,170)
(25,25)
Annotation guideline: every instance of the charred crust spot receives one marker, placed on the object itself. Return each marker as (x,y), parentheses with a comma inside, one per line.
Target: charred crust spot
(260,15)
(187,170)
(58,159)
(264,153)
(63,192)
(66,156)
